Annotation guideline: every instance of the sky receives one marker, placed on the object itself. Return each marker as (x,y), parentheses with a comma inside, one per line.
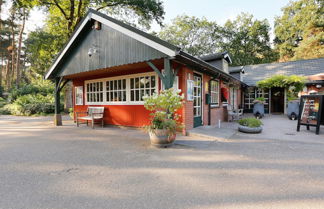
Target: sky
(214,10)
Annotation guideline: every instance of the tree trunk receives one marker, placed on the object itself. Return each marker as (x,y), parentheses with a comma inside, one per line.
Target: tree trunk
(13,50)
(18,71)
(8,73)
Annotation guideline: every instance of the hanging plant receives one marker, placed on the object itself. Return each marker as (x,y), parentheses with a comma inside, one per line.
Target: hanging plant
(283,81)
(294,84)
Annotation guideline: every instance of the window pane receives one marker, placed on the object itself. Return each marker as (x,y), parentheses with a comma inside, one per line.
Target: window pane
(124,96)
(142,82)
(124,83)
(136,83)
(147,82)
(111,85)
(132,96)
(119,84)
(142,94)
(132,83)
(153,81)
(137,95)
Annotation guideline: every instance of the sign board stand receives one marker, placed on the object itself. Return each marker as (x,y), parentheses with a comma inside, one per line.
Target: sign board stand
(311,111)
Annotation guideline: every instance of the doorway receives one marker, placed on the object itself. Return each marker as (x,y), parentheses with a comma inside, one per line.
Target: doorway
(197,107)
(277,100)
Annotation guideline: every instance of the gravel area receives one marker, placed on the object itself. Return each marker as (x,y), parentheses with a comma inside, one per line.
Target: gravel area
(42,166)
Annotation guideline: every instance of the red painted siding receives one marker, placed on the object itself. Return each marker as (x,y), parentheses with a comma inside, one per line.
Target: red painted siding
(137,115)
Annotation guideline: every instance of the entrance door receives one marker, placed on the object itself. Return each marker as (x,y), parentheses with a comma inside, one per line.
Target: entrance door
(197,89)
(277,100)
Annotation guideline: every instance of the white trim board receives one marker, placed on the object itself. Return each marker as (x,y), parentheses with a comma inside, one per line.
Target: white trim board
(117,27)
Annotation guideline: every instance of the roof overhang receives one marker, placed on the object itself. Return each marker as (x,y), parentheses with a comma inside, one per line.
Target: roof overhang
(206,67)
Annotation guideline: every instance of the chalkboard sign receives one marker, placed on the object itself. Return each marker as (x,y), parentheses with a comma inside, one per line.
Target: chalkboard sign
(311,112)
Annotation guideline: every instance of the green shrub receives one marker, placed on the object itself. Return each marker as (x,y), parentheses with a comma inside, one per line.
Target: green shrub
(250,122)
(38,87)
(32,104)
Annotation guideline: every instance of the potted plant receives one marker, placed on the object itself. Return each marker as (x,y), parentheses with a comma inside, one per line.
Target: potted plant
(164,121)
(258,107)
(250,125)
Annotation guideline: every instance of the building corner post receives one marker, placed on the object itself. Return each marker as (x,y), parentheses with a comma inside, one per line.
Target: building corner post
(57,91)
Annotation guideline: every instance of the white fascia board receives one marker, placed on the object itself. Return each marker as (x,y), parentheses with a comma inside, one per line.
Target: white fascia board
(135,36)
(68,46)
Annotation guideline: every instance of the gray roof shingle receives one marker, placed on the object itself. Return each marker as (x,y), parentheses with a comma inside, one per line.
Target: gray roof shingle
(255,73)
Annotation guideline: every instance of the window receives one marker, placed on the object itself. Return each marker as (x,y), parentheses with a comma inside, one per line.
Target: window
(95,92)
(249,97)
(128,89)
(116,90)
(141,86)
(78,95)
(214,92)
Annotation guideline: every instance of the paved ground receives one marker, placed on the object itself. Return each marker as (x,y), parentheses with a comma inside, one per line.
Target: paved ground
(275,127)
(42,166)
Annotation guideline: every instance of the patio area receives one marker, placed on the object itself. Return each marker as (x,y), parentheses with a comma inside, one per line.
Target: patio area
(42,166)
(274,127)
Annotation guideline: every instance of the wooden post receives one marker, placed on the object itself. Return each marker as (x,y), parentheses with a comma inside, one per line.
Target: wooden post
(57,115)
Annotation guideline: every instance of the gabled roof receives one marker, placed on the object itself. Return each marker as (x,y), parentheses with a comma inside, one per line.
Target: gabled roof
(217,56)
(236,69)
(168,49)
(255,73)
(135,33)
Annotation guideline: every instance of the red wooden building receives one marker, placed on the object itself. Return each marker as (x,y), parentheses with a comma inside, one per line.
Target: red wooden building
(114,65)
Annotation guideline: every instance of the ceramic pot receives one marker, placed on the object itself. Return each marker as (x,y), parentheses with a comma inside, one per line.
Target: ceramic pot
(161,138)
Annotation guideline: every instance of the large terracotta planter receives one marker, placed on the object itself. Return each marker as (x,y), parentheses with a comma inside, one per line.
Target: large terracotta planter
(161,138)
(249,130)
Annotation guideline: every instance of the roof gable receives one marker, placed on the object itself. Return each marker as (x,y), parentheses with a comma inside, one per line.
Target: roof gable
(73,59)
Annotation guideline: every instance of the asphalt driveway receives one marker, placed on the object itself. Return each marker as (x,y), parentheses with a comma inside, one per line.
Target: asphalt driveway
(42,166)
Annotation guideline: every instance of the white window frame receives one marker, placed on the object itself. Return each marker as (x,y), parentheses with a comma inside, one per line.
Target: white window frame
(78,90)
(215,92)
(127,77)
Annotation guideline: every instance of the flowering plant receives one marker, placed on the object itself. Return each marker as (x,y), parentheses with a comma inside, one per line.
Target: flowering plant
(163,107)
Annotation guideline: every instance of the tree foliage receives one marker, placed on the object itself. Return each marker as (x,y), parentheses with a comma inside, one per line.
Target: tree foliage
(194,35)
(247,40)
(64,15)
(300,30)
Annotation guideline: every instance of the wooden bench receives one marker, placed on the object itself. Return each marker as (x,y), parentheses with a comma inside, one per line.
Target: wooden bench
(93,114)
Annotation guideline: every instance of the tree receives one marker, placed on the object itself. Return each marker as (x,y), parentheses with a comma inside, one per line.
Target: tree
(41,48)
(300,30)
(64,15)
(248,40)
(194,35)
(68,13)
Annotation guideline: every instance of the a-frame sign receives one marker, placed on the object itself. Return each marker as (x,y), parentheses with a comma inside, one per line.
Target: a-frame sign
(311,112)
